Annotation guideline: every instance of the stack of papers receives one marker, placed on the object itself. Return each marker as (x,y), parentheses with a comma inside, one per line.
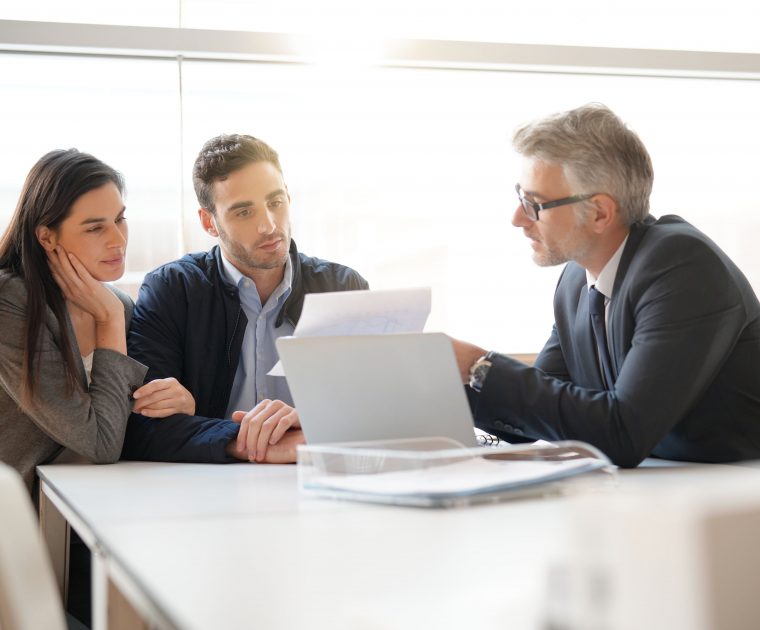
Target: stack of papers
(441,478)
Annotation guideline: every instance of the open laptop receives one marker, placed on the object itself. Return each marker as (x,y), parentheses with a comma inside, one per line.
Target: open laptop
(377,387)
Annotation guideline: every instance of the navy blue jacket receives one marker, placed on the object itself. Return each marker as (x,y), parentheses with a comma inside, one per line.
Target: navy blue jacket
(684,331)
(188,323)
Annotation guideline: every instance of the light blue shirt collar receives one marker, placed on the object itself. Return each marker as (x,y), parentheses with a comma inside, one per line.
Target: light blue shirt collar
(236,277)
(258,352)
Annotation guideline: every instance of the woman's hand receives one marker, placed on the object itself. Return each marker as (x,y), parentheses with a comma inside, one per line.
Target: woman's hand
(264,426)
(84,292)
(81,289)
(163,397)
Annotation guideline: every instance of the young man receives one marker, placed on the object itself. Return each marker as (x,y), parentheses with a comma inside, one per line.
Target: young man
(655,348)
(210,319)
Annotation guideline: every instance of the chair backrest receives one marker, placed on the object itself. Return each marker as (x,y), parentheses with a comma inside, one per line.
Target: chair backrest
(29,599)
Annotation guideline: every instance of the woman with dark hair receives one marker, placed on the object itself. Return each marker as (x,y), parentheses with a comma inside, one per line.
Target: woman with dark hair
(66,381)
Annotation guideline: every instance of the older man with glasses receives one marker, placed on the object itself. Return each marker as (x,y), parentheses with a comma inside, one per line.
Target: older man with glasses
(655,348)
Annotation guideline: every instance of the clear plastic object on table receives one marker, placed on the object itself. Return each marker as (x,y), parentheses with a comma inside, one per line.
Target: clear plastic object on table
(440,472)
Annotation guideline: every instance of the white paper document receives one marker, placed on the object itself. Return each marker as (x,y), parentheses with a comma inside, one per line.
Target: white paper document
(361,313)
(461,479)
(464,477)
(364,312)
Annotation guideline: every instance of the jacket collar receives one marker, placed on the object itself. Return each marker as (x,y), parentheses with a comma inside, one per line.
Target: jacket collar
(293,305)
(635,235)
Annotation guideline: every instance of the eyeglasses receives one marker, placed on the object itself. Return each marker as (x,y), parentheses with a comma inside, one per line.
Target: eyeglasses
(532,208)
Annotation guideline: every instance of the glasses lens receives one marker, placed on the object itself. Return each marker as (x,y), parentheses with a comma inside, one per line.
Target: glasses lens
(527,207)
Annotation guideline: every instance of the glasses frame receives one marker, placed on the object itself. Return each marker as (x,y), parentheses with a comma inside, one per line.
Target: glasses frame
(532,208)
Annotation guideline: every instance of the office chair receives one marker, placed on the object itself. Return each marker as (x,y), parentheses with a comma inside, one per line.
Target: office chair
(29,599)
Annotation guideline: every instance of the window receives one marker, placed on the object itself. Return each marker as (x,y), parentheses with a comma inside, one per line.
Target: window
(123,111)
(405,174)
(408,174)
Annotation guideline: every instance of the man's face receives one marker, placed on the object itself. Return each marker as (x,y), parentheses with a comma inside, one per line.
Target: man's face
(559,235)
(252,217)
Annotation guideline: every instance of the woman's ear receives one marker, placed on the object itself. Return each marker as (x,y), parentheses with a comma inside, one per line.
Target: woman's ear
(46,237)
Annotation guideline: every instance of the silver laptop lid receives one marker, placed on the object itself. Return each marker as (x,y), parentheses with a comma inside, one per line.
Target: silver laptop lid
(376,387)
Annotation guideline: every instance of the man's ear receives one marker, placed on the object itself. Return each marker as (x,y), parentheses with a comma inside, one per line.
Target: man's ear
(605,212)
(46,237)
(207,221)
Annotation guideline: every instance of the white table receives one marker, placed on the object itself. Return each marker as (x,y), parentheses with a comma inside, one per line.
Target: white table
(235,546)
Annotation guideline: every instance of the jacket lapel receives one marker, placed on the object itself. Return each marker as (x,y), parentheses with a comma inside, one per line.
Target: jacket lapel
(635,236)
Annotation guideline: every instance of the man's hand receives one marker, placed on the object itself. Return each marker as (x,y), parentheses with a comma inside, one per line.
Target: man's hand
(466,354)
(163,397)
(284,452)
(264,426)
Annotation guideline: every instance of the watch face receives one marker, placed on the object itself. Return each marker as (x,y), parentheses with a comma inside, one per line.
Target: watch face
(479,373)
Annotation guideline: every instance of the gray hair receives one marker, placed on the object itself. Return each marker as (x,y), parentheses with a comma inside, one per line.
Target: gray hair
(598,154)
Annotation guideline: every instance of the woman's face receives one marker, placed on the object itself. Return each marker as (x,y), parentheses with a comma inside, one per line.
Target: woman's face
(95,232)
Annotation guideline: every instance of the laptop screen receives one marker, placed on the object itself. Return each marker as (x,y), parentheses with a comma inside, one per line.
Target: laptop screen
(376,387)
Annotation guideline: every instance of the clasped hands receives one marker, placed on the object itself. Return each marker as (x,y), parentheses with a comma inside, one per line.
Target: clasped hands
(268,433)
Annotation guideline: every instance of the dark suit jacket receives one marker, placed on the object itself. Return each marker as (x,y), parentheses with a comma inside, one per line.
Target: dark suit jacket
(188,323)
(684,329)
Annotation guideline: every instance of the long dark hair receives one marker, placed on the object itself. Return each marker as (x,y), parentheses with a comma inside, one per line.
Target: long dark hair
(55,182)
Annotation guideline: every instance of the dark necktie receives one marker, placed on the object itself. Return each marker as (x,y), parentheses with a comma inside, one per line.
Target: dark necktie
(596,309)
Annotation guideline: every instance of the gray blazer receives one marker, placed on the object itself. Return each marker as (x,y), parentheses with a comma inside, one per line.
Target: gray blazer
(90,422)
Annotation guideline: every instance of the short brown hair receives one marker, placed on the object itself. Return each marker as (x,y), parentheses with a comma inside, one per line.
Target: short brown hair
(224,154)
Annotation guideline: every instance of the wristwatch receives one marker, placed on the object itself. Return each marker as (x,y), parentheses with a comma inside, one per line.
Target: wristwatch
(479,371)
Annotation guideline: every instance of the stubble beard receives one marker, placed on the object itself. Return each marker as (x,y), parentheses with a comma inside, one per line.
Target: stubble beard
(247,259)
(562,252)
